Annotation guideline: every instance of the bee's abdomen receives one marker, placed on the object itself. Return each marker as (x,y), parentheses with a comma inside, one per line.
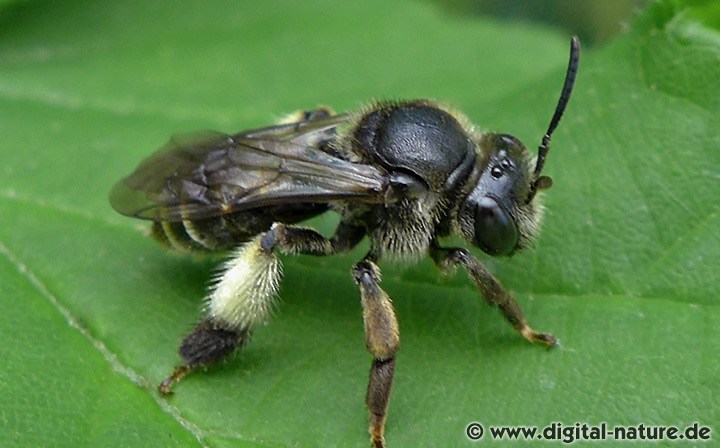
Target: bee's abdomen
(198,235)
(228,231)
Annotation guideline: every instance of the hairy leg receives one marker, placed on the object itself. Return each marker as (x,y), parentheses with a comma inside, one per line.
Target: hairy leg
(244,294)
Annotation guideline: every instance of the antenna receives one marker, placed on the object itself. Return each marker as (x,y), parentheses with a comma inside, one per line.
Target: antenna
(540,182)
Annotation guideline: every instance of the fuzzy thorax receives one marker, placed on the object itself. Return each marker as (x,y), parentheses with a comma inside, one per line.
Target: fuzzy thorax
(406,230)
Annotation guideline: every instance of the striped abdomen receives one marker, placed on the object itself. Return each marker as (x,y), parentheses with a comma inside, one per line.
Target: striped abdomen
(228,231)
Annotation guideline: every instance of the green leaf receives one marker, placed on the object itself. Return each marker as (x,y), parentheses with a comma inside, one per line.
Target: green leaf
(624,272)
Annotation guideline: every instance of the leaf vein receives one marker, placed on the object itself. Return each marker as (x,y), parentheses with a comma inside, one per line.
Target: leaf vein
(110,357)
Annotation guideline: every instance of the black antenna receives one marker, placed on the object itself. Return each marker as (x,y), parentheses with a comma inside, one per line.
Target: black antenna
(544,182)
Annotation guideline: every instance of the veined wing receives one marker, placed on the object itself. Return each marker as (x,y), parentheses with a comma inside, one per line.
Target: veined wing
(210,174)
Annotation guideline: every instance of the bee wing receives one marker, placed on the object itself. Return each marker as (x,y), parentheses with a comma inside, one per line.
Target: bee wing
(210,174)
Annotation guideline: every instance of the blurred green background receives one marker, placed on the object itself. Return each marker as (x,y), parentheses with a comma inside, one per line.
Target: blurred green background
(593,21)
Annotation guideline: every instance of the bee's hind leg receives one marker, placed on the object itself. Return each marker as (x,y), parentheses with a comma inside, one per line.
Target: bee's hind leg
(242,297)
(307,115)
(244,294)
(207,344)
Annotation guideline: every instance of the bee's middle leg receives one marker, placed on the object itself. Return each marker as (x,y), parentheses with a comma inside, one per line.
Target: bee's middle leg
(382,339)
(244,294)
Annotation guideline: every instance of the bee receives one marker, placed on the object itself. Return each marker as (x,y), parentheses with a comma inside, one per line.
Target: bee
(402,174)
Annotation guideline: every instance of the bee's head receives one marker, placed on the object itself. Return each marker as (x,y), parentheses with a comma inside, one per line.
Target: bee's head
(500,214)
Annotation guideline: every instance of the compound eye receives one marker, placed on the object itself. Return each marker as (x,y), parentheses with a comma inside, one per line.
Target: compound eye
(495,231)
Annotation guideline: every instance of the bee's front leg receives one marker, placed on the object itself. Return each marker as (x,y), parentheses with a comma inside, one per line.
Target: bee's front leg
(244,294)
(382,339)
(490,288)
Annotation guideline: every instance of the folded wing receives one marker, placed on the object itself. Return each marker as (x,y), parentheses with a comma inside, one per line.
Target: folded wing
(210,174)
